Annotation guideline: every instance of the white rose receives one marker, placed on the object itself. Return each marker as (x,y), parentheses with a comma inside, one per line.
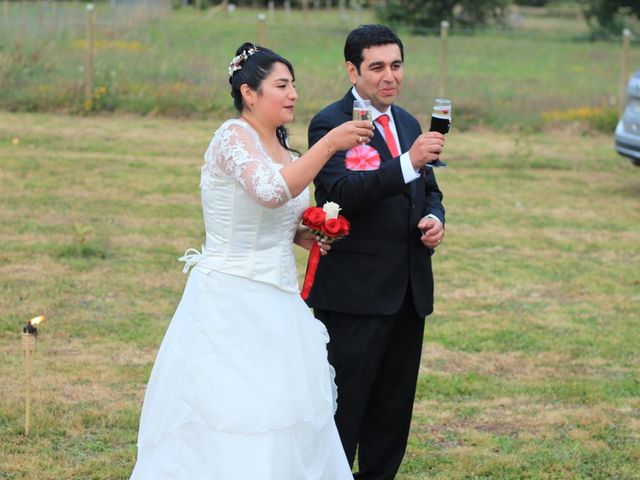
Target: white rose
(331,209)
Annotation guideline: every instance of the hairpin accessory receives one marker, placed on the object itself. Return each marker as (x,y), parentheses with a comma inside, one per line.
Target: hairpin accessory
(236,63)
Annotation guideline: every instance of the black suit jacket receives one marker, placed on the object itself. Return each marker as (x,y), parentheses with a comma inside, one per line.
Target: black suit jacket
(368,272)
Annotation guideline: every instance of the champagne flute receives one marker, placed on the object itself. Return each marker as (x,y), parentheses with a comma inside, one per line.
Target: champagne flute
(362,110)
(440,122)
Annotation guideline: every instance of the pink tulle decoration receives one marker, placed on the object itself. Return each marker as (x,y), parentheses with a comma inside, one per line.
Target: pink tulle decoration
(362,158)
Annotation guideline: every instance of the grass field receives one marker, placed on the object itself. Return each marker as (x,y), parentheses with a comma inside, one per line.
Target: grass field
(530,364)
(538,72)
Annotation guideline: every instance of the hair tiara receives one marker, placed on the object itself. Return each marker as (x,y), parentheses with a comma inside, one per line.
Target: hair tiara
(236,63)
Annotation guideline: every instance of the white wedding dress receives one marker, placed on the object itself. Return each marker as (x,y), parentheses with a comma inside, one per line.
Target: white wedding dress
(241,388)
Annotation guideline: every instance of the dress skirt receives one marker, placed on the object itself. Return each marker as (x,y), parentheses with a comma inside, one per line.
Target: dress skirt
(241,389)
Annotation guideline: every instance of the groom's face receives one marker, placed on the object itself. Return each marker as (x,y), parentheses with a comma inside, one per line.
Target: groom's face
(380,76)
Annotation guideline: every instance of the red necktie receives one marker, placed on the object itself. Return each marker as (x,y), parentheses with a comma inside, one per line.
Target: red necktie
(388,135)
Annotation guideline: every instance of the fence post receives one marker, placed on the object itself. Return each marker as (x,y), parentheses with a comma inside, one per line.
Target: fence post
(261,32)
(39,6)
(342,6)
(287,10)
(357,8)
(88,87)
(5,15)
(272,9)
(624,70)
(444,30)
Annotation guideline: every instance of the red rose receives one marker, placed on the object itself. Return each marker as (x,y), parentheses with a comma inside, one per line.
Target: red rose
(313,217)
(336,227)
(344,225)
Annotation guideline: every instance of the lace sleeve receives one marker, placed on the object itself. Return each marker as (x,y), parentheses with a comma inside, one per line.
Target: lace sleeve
(239,155)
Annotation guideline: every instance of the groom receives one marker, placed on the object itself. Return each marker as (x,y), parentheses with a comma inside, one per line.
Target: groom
(375,288)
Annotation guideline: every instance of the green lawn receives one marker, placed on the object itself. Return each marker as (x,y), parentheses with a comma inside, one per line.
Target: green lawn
(530,365)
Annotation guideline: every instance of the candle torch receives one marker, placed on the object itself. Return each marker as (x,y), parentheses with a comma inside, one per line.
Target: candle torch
(29,335)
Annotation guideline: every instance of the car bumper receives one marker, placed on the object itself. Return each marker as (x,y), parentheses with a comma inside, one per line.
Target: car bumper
(627,144)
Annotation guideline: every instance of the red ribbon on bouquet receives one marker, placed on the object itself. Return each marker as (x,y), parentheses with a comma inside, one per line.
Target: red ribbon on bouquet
(328,225)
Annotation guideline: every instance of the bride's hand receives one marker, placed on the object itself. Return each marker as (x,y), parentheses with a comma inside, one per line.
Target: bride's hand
(306,239)
(350,134)
(325,245)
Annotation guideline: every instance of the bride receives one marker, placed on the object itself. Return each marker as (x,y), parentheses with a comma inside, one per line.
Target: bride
(241,388)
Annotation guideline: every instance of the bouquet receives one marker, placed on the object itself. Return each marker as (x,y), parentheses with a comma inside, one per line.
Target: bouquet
(328,225)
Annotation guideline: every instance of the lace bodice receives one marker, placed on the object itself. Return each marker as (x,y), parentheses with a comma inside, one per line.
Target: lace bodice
(250,218)
(235,151)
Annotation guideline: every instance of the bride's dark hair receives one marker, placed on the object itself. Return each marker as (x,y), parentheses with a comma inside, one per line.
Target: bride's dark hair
(253,70)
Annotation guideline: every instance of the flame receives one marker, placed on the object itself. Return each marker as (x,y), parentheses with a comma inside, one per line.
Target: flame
(37,320)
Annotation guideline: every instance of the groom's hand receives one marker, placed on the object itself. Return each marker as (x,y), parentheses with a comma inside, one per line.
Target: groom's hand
(426,149)
(432,231)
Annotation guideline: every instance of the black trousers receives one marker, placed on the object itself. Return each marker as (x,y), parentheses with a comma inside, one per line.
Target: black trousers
(376,359)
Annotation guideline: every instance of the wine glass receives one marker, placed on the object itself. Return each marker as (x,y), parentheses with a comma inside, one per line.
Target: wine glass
(440,122)
(362,110)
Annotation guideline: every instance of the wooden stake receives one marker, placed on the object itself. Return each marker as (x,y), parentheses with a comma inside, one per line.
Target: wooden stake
(5,15)
(287,9)
(272,9)
(88,87)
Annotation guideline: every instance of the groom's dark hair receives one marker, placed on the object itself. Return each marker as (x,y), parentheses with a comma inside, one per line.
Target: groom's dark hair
(366,36)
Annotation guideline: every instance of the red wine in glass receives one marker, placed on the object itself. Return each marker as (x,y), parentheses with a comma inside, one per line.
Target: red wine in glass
(440,122)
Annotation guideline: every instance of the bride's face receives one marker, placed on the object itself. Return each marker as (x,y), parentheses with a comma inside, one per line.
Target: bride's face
(276,96)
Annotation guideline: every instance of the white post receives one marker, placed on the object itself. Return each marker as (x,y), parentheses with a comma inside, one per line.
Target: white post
(444,30)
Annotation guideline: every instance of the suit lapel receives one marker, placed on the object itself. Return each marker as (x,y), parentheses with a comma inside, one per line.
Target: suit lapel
(405,141)
(347,104)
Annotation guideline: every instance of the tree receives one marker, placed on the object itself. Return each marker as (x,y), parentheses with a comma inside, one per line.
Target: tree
(531,3)
(427,14)
(607,16)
